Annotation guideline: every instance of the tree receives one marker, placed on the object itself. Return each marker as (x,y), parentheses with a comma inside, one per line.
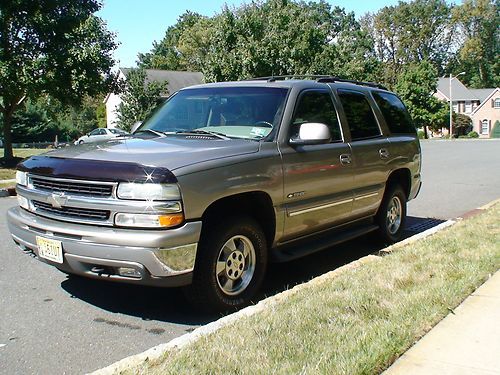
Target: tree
(51,47)
(165,54)
(411,32)
(139,98)
(495,133)
(479,54)
(416,85)
(273,37)
(462,124)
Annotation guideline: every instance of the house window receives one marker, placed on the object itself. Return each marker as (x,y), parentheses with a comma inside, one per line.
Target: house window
(455,107)
(468,107)
(497,103)
(485,127)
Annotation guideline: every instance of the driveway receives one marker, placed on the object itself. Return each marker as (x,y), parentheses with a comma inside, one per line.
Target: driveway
(51,323)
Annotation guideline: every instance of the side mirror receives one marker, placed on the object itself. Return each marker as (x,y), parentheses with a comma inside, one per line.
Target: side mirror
(135,126)
(312,133)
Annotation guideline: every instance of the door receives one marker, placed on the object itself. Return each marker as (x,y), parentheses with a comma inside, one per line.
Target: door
(317,178)
(370,151)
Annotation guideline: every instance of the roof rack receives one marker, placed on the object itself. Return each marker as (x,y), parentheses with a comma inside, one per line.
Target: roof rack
(319,78)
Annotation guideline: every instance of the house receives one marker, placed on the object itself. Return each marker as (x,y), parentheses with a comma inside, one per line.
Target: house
(487,114)
(481,105)
(176,80)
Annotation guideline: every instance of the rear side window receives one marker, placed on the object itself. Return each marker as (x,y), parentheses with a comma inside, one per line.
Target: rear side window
(360,117)
(316,106)
(395,113)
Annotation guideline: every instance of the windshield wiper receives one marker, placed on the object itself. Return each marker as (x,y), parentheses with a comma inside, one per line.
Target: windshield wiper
(199,131)
(155,132)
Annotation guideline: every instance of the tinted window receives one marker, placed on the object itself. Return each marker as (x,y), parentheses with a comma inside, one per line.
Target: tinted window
(360,118)
(395,113)
(316,106)
(95,132)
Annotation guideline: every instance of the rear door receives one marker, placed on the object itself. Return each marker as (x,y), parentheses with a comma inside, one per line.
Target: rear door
(370,151)
(317,178)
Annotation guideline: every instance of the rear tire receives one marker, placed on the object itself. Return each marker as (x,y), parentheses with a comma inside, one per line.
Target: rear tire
(391,216)
(230,265)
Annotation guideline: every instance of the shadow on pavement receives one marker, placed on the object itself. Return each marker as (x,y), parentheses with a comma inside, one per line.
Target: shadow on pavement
(169,304)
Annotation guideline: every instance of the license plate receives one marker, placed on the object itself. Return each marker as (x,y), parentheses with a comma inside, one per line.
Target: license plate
(49,249)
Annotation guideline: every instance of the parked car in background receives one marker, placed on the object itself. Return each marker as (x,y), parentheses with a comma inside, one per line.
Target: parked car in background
(100,134)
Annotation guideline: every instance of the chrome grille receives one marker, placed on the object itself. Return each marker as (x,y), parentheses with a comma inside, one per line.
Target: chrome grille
(71,212)
(72,187)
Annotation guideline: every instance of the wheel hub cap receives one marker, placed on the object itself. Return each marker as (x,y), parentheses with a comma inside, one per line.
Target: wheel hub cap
(235,266)
(394,214)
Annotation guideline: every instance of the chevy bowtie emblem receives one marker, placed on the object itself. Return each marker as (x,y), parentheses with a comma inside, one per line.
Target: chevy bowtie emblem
(57,200)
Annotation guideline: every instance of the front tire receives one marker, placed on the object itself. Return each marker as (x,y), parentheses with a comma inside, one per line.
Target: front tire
(230,267)
(391,217)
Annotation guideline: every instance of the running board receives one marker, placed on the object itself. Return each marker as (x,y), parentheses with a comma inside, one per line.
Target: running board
(311,245)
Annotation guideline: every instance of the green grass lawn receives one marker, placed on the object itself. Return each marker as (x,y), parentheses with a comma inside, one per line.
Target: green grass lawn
(358,322)
(10,173)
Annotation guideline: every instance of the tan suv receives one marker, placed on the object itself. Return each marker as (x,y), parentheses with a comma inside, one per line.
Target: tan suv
(220,180)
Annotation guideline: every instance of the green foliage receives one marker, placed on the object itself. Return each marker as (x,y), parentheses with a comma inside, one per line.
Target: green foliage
(462,124)
(165,54)
(51,47)
(421,134)
(495,133)
(42,119)
(416,85)
(409,33)
(140,98)
(479,53)
(273,37)
(473,134)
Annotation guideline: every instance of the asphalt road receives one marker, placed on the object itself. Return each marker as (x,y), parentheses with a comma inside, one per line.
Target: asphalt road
(54,324)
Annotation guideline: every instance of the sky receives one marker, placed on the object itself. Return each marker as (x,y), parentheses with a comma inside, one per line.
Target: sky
(138,23)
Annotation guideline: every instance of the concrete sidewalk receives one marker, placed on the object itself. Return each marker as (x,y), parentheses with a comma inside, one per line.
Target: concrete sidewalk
(466,342)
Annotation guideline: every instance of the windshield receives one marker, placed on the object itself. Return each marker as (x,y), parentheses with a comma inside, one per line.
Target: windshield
(239,112)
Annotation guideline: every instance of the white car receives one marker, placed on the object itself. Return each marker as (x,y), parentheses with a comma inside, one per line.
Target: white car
(100,134)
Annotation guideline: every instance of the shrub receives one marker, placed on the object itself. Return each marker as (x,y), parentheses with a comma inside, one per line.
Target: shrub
(421,134)
(472,134)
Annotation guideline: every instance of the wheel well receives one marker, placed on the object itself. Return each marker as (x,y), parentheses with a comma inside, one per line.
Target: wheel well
(257,204)
(401,177)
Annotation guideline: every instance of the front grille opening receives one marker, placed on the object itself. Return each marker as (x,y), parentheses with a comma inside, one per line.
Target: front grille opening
(76,188)
(71,212)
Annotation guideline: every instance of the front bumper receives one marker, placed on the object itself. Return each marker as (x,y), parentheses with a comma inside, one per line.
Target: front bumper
(159,257)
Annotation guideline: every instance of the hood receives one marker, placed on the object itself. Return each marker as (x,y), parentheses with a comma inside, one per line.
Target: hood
(169,152)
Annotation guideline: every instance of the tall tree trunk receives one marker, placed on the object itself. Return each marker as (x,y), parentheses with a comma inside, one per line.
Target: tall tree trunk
(7,134)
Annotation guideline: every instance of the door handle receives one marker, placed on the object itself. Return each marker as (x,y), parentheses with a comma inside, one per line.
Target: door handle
(384,153)
(345,159)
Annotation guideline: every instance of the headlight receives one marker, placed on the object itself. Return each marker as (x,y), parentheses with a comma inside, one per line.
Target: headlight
(148,191)
(148,220)
(22,178)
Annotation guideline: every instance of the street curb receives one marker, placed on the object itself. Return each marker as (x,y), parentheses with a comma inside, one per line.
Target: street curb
(158,351)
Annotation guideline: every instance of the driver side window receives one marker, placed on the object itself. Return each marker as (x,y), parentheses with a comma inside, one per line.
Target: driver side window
(95,132)
(316,106)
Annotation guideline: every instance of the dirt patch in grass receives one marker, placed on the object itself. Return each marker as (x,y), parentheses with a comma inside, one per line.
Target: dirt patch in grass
(358,322)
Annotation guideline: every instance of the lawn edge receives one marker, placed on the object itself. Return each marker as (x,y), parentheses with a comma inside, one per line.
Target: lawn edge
(179,342)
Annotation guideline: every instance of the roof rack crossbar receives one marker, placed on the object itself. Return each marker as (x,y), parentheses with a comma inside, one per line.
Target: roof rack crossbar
(283,77)
(322,78)
(363,83)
